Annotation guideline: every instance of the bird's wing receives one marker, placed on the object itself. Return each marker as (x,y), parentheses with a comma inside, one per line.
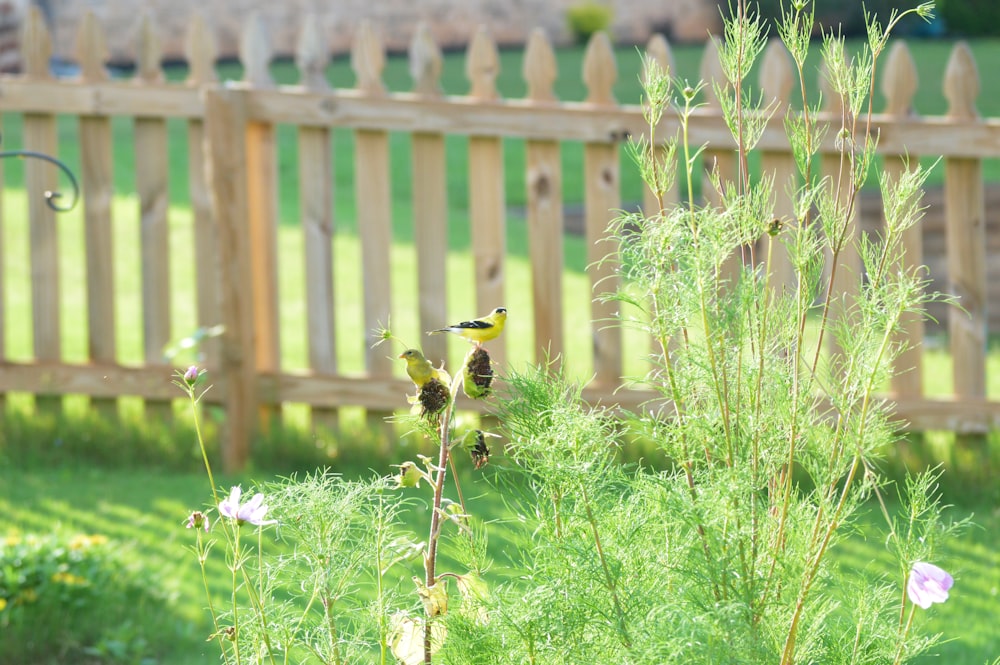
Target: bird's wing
(475,324)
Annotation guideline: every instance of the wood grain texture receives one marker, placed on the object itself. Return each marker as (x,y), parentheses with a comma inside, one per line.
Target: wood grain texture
(602,197)
(225,148)
(545,246)
(430,238)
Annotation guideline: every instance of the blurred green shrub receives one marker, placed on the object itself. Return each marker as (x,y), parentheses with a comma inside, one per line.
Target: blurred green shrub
(848,18)
(588,17)
(78,599)
(972,18)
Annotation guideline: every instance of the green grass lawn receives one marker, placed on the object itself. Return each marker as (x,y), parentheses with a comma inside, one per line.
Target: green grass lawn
(145,510)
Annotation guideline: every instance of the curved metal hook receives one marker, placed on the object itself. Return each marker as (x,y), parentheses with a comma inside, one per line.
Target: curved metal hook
(51,197)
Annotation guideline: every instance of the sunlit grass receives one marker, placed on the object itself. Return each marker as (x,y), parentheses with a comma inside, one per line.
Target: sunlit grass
(148,509)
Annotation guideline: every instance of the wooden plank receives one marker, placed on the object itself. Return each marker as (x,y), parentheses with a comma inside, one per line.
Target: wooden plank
(262,225)
(899,85)
(373,197)
(411,112)
(40,177)
(430,237)
(201,51)
(966,242)
(206,244)
(601,199)
(316,205)
(225,153)
(545,208)
(151,180)
(487,219)
(545,247)
(152,382)
(3,288)
(97,182)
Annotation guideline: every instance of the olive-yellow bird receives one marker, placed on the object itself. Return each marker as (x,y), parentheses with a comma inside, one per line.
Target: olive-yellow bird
(420,370)
(479,330)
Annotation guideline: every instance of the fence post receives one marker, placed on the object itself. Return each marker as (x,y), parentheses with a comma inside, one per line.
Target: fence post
(965,232)
(226,166)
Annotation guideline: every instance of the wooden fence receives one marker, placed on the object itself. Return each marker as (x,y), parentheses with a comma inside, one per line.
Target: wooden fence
(233,183)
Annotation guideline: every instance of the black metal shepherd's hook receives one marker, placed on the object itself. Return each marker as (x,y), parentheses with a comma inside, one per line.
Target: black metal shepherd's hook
(51,197)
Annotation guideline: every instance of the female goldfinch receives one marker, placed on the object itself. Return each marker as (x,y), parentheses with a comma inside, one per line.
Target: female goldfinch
(479,330)
(420,370)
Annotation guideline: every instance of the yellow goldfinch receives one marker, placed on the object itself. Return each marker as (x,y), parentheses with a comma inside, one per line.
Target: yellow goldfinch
(479,330)
(421,370)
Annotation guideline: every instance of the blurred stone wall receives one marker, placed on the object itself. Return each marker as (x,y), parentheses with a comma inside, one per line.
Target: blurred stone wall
(452,21)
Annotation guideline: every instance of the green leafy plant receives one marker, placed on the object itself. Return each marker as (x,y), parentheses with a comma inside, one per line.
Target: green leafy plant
(588,18)
(775,442)
(65,598)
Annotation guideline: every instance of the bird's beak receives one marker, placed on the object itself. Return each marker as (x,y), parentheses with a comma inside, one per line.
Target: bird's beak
(401,355)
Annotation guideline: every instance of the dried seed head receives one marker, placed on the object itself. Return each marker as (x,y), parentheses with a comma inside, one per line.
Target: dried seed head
(478,373)
(433,397)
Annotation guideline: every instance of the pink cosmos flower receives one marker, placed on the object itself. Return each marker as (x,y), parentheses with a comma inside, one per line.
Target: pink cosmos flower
(928,584)
(252,511)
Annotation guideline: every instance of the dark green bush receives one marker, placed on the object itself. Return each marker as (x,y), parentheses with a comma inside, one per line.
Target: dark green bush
(79,598)
(848,16)
(587,18)
(973,18)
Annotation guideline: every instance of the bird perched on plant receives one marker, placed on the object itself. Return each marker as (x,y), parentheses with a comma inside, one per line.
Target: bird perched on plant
(479,330)
(420,370)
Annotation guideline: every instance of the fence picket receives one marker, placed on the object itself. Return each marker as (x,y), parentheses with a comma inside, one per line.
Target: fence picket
(430,201)
(40,135)
(899,85)
(225,151)
(776,81)
(201,53)
(97,181)
(601,198)
(374,210)
(545,208)
(487,193)
(965,217)
(262,210)
(151,181)
(316,196)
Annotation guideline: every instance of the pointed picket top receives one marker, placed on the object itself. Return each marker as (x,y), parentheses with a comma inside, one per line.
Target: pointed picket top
(201,51)
(961,83)
(539,69)
(149,55)
(368,59)
(311,55)
(600,71)
(425,62)
(711,71)
(658,50)
(91,49)
(255,52)
(776,76)
(899,80)
(36,45)
(482,65)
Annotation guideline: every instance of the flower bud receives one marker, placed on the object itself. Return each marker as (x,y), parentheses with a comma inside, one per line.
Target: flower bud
(191,375)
